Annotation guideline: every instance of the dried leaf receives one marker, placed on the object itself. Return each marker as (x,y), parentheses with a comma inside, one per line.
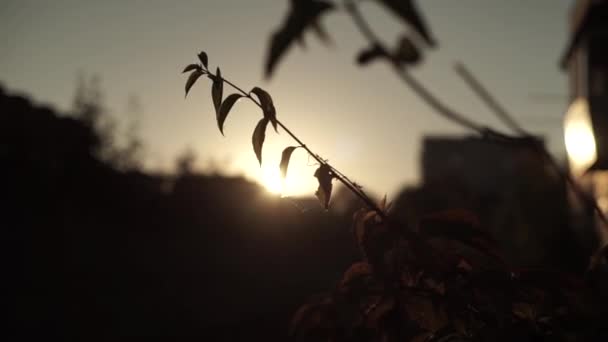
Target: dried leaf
(370,54)
(285,156)
(267,105)
(325,176)
(192,79)
(356,270)
(259,134)
(302,14)
(408,12)
(203,58)
(191,67)
(216,90)
(225,109)
(407,52)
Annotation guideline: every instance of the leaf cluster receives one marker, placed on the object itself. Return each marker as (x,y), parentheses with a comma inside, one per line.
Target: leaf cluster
(444,280)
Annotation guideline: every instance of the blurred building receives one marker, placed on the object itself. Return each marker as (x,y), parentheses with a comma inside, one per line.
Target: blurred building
(586,121)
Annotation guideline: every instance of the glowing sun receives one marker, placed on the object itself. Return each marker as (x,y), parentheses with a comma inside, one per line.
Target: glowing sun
(271,180)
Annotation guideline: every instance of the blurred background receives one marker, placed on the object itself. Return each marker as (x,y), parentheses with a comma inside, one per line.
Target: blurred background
(127,214)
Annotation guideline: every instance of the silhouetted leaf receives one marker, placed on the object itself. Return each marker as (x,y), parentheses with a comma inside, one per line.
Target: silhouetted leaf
(217,90)
(408,12)
(192,79)
(325,176)
(204,59)
(225,109)
(267,105)
(370,54)
(407,52)
(285,159)
(302,14)
(191,67)
(259,134)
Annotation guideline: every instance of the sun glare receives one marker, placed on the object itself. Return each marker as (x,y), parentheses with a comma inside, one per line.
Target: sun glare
(271,179)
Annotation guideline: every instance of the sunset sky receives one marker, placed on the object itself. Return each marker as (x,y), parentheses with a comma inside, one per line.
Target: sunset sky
(364,120)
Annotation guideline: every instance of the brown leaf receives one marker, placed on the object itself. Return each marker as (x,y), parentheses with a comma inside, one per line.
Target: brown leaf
(225,109)
(192,79)
(370,54)
(356,270)
(325,176)
(217,90)
(267,105)
(259,134)
(302,14)
(285,156)
(407,52)
(408,12)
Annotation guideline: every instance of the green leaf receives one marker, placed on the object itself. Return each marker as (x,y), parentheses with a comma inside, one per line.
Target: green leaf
(191,67)
(408,12)
(216,91)
(192,79)
(203,58)
(324,176)
(302,14)
(225,109)
(285,156)
(259,134)
(267,106)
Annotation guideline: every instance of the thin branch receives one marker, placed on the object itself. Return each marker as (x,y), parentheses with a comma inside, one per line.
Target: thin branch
(487,133)
(493,104)
(336,173)
(488,99)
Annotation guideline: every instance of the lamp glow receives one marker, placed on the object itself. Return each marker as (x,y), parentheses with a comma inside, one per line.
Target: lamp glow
(579,138)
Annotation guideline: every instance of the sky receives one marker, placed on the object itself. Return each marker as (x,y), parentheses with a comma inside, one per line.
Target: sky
(363,120)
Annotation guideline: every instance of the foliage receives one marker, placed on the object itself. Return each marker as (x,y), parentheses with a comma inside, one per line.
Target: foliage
(443,279)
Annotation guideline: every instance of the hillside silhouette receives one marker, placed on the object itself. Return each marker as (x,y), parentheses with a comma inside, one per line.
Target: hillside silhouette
(93,253)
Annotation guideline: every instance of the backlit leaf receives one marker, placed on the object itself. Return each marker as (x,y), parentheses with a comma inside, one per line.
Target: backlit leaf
(216,90)
(225,109)
(325,176)
(192,79)
(259,134)
(285,156)
(408,12)
(191,67)
(203,58)
(267,105)
(302,14)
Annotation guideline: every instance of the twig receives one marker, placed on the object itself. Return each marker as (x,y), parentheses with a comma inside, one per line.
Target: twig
(336,173)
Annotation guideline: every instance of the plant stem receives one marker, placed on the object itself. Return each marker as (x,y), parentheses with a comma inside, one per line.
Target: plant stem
(336,173)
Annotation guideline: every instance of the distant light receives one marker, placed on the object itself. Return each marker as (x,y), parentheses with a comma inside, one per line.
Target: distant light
(580,141)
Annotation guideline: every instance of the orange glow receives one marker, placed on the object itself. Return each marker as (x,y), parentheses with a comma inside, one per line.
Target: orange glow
(579,138)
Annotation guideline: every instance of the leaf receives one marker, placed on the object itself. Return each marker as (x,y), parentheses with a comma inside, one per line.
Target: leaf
(192,79)
(302,14)
(408,12)
(285,156)
(267,105)
(370,54)
(225,109)
(407,52)
(259,134)
(325,176)
(321,33)
(191,67)
(203,58)
(216,91)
